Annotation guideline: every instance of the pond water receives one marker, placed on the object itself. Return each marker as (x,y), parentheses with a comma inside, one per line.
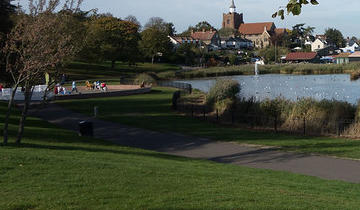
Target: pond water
(334,86)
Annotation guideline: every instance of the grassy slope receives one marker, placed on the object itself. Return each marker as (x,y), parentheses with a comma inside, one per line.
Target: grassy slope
(56,169)
(152,111)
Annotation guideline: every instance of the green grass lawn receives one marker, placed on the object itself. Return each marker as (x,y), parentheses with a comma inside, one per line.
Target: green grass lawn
(56,169)
(152,111)
(103,71)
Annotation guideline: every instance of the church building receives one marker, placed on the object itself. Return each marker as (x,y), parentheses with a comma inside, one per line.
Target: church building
(259,33)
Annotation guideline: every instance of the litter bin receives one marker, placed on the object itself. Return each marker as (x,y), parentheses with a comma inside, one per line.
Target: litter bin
(86,128)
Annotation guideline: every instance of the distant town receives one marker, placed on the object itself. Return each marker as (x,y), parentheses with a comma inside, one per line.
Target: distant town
(263,40)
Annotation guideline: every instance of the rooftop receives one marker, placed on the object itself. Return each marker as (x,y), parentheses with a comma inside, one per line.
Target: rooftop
(255,28)
(301,56)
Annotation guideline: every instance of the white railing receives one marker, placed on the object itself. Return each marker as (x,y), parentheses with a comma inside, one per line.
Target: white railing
(37,95)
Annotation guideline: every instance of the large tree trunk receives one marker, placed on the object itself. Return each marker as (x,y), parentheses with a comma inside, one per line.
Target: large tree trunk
(28,95)
(7,116)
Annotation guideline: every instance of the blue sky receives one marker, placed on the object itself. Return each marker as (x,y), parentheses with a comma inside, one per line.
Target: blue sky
(342,15)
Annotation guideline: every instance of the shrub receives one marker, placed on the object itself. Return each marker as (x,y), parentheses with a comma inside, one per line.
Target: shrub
(147,79)
(223,89)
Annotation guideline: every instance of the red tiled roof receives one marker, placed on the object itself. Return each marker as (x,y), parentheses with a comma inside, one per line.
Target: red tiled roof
(203,35)
(355,55)
(301,56)
(255,28)
(343,55)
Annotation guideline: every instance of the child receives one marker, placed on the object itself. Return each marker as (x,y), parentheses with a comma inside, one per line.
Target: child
(74,87)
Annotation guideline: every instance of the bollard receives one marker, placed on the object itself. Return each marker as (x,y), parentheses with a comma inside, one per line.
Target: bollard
(96,111)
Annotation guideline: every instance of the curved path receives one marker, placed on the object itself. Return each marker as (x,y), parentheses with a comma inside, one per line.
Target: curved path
(223,152)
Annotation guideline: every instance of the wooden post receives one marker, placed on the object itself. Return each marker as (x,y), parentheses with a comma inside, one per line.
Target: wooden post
(192,110)
(304,126)
(204,112)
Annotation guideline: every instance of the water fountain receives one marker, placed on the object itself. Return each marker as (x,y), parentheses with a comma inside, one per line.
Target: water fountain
(257,63)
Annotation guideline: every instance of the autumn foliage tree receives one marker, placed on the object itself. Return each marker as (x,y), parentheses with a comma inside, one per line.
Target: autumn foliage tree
(41,40)
(110,38)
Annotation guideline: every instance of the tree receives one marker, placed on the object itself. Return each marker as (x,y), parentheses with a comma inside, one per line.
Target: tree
(133,19)
(203,25)
(155,40)
(110,38)
(40,41)
(227,32)
(335,37)
(159,24)
(6,11)
(293,7)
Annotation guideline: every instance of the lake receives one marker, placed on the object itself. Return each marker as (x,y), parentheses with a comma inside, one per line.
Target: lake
(334,86)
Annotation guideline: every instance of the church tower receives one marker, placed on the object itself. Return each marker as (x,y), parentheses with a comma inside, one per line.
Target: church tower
(232,19)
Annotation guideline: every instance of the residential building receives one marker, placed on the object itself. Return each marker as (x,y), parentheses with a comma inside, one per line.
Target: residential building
(259,33)
(342,58)
(236,43)
(210,37)
(354,57)
(351,46)
(299,57)
(178,40)
(318,44)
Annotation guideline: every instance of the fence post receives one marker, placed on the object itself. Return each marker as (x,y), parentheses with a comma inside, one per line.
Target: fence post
(232,115)
(304,126)
(192,110)
(96,111)
(204,109)
(338,128)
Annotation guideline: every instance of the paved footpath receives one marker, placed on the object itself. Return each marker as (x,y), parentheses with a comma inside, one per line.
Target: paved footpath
(223,152)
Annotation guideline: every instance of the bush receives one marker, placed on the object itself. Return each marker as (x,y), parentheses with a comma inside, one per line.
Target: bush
(147,79)
(224,89)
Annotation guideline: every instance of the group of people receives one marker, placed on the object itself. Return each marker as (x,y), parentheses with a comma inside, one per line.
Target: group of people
(60,89)
(97,86)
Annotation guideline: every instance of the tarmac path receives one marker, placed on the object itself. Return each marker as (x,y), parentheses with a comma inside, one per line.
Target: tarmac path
(325,167)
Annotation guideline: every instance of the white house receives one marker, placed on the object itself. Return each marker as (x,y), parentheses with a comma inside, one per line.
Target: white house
(178,40)
(350,47)
(236,43)
(318,44)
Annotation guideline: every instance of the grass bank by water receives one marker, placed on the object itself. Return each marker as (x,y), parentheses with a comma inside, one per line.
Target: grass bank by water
(152,111)
(56,169)
(266,69)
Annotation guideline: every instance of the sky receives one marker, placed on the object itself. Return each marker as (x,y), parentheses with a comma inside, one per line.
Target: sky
(342,15)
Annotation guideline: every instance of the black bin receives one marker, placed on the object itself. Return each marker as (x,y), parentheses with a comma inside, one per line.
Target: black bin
(86,128)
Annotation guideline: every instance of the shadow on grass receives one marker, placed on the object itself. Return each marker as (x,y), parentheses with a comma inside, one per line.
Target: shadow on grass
(119,150)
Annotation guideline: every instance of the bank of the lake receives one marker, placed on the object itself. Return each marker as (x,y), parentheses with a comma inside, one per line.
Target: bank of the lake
(300,69)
